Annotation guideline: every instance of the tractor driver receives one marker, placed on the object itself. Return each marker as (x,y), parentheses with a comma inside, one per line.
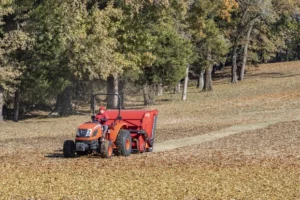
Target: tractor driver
(102,117)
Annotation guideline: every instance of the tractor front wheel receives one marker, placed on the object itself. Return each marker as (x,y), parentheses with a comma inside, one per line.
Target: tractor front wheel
(69,149)
(106,149)
(124,143)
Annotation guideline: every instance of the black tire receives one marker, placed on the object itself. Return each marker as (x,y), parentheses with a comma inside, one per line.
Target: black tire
(124,143)
(106,149)
(69,149)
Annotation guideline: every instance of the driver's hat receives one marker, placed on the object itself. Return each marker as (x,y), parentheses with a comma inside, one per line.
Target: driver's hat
(101,108)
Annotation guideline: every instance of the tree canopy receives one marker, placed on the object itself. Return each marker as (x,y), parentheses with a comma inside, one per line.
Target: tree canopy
(48,49)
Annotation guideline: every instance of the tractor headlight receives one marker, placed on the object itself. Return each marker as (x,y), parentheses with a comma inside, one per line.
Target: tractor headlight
(95,133)
(88,133)
(78,133)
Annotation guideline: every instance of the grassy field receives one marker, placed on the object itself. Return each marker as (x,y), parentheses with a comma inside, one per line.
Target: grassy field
(259,164)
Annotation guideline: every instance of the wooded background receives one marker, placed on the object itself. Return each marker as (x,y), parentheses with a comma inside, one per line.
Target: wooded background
(55,54)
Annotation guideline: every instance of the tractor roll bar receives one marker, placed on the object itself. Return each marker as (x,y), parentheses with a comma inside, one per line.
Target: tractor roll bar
(106,94)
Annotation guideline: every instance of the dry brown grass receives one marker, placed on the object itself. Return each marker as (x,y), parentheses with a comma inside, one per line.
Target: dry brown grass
(260,164)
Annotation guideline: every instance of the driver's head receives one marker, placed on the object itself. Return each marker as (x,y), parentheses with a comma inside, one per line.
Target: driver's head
(101,109)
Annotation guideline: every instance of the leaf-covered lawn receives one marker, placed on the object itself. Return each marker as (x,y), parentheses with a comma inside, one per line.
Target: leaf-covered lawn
(260,164)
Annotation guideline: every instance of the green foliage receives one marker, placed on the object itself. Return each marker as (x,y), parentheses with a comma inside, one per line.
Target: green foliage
(72,43)
(97,54)
(5,9)
(155,45)
(274,32)
(289,29)
(15,42)
(47,46)
(266,41)
(207,32)
(173,52)
(135,36)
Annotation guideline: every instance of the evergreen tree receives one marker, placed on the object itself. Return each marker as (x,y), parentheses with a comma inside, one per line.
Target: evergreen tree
(156,47)
(5,72)
(206,19)
(15,42)
(74,42)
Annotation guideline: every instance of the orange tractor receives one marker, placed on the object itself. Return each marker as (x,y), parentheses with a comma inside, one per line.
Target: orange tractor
(128,131)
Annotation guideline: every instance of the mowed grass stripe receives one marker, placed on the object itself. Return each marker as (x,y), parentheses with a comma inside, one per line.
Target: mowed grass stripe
(215,135)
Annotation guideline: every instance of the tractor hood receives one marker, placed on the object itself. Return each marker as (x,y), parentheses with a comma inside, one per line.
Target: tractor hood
(89,125)
(89,129)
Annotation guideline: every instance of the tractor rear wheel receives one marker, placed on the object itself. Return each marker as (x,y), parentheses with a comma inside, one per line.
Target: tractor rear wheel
(106,149)
(69,149)
(124,143)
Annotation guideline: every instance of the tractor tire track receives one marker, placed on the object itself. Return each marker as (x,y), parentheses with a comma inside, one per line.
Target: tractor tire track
(215,135)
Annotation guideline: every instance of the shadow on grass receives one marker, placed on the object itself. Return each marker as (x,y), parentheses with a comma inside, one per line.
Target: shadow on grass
(134,107)
(56,154)
(221,76)
(44,115)
(198,92)
(59,154)
(163,100)
(293,75)
(268,75)
(225,75)
(25,117)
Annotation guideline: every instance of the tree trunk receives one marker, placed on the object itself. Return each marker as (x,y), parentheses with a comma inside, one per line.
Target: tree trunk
(63,104)
(1,104)
(121,91)
(185,84)
(16,106)
(298,52)
(202,80)
(208,79)
(160,89)
(213,72)
(198,82)
(177,88)
(79,92)
(223,64)
(112,88)
(277,57)
(145,94)
(148,96)
(208,73)
(242,71)
(234,65)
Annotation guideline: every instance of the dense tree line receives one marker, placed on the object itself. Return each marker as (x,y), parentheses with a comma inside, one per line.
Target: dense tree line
(52,50)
